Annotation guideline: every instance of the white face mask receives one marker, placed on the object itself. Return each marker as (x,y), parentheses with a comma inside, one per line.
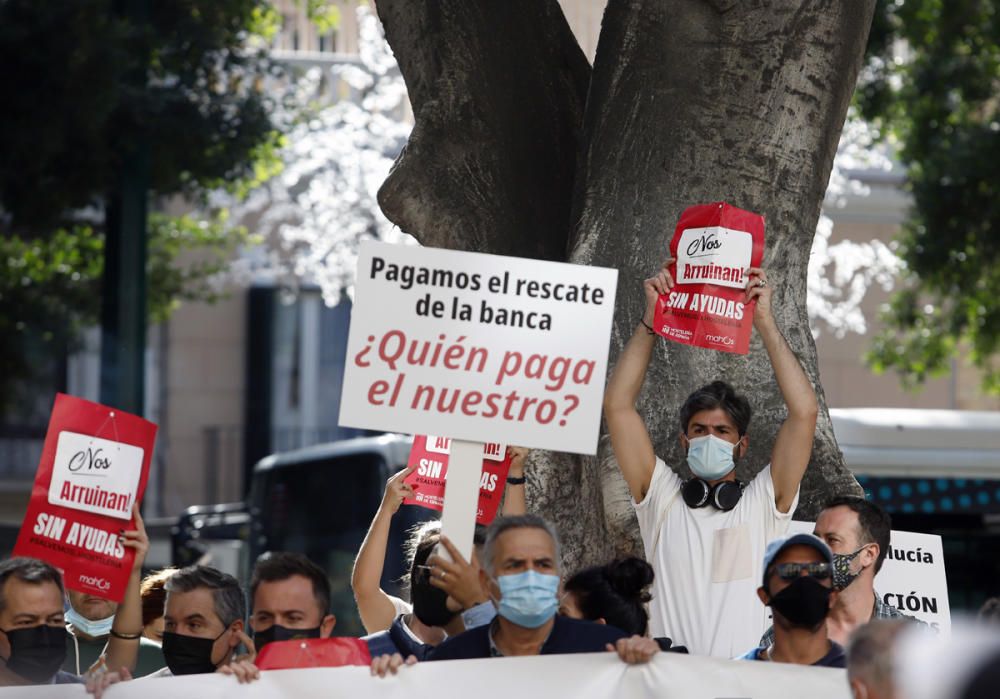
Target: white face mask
(94,629)
(710,457)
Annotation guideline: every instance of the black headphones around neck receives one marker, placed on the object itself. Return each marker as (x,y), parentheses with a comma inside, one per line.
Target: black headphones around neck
(723,495)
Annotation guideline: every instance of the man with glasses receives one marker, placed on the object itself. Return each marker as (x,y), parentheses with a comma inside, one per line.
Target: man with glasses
(857,532)
(798,587)
(522,569)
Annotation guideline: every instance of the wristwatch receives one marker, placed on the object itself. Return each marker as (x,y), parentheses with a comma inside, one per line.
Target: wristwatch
(515,480)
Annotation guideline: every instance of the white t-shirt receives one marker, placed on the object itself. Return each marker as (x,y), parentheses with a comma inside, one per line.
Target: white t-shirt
(708,563)
(401,606)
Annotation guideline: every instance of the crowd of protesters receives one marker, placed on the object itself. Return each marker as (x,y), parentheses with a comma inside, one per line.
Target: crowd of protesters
(719,563)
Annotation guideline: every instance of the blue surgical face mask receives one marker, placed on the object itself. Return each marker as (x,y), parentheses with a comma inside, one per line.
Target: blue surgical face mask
(710,457)
(93,628)
(528,599)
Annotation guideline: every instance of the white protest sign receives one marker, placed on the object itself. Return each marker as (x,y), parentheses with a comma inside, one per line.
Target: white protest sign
(95,475)
(912,578)
(582,676)
(478,347)
(461,497)
(716,254)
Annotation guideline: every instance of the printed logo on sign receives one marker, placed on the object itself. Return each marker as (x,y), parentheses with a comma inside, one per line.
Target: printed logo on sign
(95,475)
(720,340)
(94,582)
(714,255)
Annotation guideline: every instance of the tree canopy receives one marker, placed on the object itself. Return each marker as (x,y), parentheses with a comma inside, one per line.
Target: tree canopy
(934,89)
(76,115)
(86,84)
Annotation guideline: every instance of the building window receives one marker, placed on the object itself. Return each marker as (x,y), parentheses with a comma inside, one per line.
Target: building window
(328,42)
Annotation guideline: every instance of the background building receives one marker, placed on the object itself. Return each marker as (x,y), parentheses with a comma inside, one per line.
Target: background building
(260,370)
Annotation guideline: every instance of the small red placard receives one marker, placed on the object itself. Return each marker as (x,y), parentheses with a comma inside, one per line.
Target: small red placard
(94,468)
(429,456)
(713,248)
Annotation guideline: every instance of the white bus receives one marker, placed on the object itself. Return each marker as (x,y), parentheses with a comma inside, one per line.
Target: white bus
(938,472)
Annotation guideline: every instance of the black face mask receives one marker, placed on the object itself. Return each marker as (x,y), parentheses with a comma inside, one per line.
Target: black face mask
(189,655)
(37,652)
(804,603)
(431,604)
(282,633)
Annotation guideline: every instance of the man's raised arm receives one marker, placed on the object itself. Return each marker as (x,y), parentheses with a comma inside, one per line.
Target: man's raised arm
(793,444)
(629,437)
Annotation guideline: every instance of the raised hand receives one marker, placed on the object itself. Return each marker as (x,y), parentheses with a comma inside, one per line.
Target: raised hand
(660,283)
(517,457)
(396,490)
(457,577)
(758,289)
(136,539)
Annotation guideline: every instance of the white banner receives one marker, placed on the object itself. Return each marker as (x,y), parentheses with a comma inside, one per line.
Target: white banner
(912,578)
(478,347)
(587,676)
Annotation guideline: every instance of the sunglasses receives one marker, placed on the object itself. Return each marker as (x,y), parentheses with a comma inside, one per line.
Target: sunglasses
(790,571)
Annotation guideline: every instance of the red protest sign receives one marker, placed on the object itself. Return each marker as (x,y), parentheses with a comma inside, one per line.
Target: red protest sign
(313,652)
(429,456)
(94,467)
(713,247)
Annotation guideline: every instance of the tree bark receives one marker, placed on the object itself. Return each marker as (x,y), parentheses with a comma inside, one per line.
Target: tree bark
(498,92)
(691,101)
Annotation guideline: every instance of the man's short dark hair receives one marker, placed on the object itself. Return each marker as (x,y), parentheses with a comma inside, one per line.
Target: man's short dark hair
(874,523)
(990,611)
(504,524)
(227,594)
(717,394)
(29,570)
(275,566)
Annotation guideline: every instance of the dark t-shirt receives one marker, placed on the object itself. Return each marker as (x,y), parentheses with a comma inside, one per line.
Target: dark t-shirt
(567,636)
(834,658)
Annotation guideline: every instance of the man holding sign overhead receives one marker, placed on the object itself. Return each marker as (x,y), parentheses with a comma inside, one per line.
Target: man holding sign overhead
(703,535)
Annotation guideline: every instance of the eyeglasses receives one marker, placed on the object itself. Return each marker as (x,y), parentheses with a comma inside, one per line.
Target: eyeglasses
(790,571)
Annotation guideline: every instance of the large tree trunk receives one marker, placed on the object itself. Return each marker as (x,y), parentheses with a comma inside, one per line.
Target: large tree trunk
(690,101)
(498,92)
